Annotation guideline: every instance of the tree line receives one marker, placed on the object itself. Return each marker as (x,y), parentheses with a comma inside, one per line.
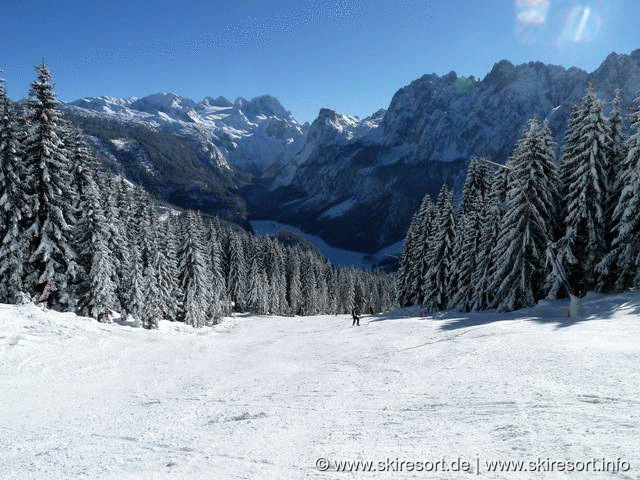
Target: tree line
(534,228)
(106,245)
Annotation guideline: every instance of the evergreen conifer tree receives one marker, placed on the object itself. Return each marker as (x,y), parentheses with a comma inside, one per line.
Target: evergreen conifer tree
(619,171)
(467,245)
(51,256)
(526,227)
(192,271)
(15,204)
(420,257)
(490,218)
(294,286)
(436,295)
(237,272)
(406,271)
(96,289)
(625,255)
(585,173)
(167,271)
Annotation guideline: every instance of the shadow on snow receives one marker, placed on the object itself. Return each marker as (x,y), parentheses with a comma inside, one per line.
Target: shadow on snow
(595,306)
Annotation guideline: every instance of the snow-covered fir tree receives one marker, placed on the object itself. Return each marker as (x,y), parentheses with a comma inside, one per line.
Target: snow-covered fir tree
(131,211)
(585,173)
(435,287)
(624,257)
(415,258)
(468,234)
(476,185)
(406,295)
(96,289)
(527,225)
(51,257)
(420,260)
(237,271)
(193,273)
(152,309)
(254,292)
(294,286)
(618,153)
(15,203)
(608,275)
(134,301)
(490,217)
(117,238)
(167,270)
(219,302)
(309,304)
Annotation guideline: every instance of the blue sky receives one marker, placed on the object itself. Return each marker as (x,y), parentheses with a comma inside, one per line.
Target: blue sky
(349,55)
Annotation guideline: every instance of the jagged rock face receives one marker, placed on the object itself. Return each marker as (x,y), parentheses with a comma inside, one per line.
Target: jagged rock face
(450,118)
(430,130)
(619,71)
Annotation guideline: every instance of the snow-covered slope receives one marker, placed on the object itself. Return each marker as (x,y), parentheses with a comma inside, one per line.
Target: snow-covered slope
(266,397)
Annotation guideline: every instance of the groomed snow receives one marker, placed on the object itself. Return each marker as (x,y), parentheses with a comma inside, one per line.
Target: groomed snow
(265,397)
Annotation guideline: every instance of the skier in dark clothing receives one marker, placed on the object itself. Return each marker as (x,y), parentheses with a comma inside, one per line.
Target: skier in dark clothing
(356,317)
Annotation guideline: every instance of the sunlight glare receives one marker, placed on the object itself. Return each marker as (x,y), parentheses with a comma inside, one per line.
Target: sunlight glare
(581,26)
(531,19)
(586,12)
(532,12)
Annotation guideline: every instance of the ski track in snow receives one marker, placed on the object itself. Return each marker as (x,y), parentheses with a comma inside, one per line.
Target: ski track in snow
(264,397)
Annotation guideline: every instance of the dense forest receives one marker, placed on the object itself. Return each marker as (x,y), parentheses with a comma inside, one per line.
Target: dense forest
(534,228)
(96,243)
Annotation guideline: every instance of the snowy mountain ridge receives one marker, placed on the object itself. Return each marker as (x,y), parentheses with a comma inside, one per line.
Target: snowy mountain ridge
(246,134)
(354,182)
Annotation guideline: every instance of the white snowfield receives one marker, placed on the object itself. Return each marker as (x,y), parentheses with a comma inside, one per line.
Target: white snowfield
(267,397)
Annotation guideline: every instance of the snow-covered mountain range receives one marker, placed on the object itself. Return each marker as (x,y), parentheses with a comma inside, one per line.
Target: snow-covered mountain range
(354,182)
(192,154)
(250,135)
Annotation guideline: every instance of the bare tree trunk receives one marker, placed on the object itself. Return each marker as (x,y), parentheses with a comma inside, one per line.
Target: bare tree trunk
(575,306)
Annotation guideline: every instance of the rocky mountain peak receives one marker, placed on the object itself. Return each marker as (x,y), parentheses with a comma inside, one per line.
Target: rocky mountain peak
(266,105)
(221,102)
(619,71)
(333,127)
(501,74)
(168,103)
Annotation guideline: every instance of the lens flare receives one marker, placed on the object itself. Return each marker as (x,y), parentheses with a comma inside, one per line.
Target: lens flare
(563,22)
(532,12)
(581,25)
(531,19)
